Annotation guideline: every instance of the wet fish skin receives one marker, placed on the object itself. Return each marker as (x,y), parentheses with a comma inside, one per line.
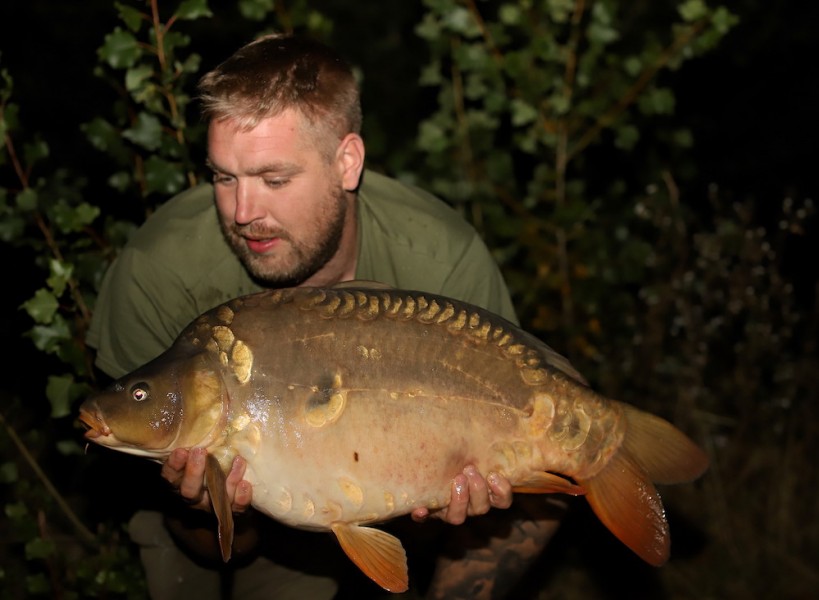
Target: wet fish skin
(345,403)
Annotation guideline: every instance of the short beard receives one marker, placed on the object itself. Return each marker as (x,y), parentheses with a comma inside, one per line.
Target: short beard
(309,260)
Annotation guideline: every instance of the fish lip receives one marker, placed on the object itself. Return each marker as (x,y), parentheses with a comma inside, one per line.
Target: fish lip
(96,426)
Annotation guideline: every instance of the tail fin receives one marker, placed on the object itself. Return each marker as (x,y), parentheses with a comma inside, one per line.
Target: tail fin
(623,496)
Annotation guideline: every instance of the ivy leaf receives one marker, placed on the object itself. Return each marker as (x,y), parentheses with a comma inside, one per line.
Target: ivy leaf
(42,306)
(47,338)
(61,391)
(60,275)
(72,219)
(163,176)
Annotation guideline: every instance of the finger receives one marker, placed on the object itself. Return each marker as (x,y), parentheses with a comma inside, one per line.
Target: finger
(478,492)
(419,515)
(459,501)
(174,467)
(500,491)
(241,491)
(192,484)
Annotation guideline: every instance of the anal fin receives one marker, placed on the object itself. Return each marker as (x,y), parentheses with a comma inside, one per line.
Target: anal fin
(541,482)
(217,490)
(379,555)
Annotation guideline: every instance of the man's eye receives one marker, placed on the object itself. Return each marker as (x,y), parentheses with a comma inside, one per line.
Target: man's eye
(276,183)
(218,178)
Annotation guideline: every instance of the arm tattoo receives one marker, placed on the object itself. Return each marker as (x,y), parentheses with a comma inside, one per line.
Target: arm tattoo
(487,556)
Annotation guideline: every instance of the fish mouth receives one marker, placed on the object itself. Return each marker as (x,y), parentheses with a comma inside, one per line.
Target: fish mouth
(96,426)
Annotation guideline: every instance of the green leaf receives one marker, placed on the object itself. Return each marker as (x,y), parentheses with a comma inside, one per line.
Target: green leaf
(523,113)
(60,391)
(559,10)
(132,18)
(27,200)
(11,228)
(16,510)
(657,101)
(73,219)
(34,152)
(8,472)
(145,132)
(255,10)
(39,548)
(509,14)
(602,34)
(461,21)
(42,306)
(163,176)
(47,338)
(37,584)
(120,49)
(120,181)
(70,448)
(60,275)
(135,77)
(193,9)
(432,138)
(692,10)
(627,137)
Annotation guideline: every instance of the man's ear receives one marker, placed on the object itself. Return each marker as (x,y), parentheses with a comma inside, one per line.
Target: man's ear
(350,161)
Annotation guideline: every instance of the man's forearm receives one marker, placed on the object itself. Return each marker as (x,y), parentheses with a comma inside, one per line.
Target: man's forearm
(487,556)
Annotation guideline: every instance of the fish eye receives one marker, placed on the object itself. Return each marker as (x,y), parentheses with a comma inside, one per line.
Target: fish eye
(140,391)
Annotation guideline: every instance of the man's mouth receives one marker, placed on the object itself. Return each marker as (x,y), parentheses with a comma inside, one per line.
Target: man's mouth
(261,246)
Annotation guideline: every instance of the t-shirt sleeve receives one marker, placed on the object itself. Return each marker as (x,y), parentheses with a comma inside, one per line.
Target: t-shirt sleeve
(139,312)
(476,278)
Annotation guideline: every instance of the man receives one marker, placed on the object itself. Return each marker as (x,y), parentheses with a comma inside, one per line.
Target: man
(295,207)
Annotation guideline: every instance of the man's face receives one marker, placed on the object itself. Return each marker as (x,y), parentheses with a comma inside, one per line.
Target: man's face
(281,204)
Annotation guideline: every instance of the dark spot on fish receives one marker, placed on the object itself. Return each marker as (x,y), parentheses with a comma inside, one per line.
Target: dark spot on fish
(355,456)
(323,393)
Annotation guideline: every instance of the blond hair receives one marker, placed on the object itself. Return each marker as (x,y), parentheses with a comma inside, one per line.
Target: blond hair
(280,72)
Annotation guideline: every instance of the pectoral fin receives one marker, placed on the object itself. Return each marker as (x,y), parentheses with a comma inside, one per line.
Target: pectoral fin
(540,482)
(378,554)
(217,490)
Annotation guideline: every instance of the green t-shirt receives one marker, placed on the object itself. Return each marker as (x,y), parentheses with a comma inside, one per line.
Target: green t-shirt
(178,265)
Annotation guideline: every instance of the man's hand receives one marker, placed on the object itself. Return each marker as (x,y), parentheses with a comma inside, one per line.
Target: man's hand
(185,471)
(471,495)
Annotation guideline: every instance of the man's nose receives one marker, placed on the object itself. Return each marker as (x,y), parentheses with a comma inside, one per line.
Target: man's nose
(248,206)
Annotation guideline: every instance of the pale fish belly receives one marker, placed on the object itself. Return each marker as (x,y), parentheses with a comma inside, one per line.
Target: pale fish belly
(377,455)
